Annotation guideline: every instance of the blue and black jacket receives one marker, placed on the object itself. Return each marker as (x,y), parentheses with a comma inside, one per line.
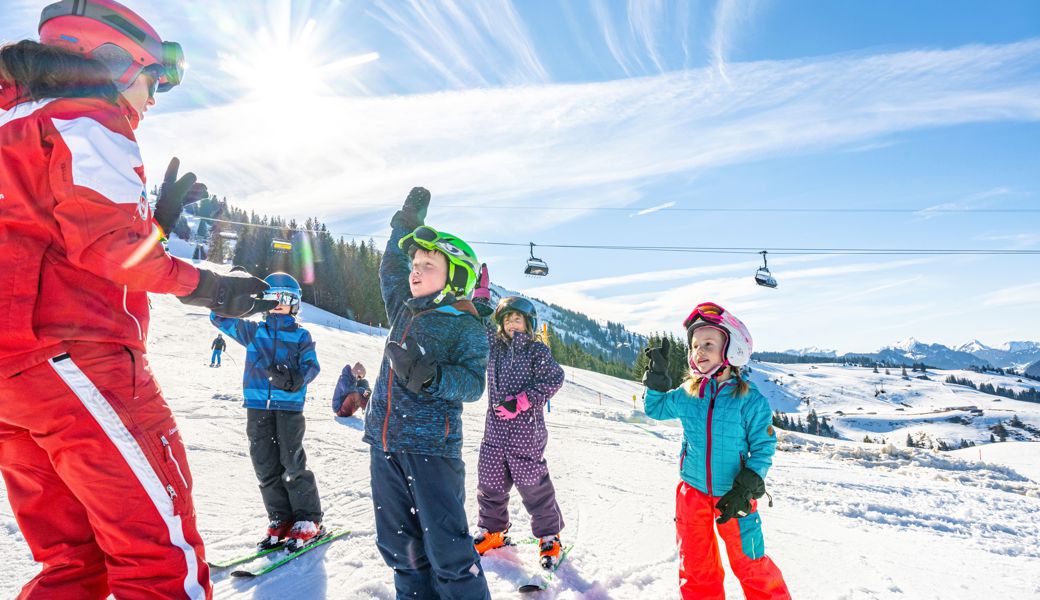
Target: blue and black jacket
(277,340)
(430,421)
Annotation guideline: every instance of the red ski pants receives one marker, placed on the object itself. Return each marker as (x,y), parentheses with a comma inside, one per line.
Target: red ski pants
(97,476)
(700,566)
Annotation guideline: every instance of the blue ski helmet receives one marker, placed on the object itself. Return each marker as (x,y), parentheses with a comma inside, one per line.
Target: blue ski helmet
(517,304)
(284,289)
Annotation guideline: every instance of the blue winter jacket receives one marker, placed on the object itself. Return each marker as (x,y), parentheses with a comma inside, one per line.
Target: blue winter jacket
(721,433)
(278,340)
(430,421)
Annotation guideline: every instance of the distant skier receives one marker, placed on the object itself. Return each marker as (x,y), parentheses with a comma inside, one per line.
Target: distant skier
(522,376)
(433,362)
(218,346)
(728,446)
(92,458)
(280,362)
(352,391)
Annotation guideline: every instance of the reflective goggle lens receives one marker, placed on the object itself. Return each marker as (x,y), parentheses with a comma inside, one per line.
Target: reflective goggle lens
(709,312)
(173,66)
(282,297)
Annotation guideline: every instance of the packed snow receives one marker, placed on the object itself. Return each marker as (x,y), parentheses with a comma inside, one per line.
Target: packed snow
(849,520)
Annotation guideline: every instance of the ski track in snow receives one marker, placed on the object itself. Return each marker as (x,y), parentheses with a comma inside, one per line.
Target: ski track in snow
(850,520)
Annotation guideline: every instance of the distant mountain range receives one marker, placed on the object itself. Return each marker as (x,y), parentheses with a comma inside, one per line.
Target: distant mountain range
(1018,354)
(610,341)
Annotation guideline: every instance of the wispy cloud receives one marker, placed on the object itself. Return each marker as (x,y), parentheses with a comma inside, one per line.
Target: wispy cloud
(653,209)
(730,15)
(977,200)
(647,19)
(475,44)
(568,144)
(1026,294)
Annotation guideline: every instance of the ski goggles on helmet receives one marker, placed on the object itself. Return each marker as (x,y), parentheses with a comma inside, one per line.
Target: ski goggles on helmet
(707,311)
(282,297)
(428,238)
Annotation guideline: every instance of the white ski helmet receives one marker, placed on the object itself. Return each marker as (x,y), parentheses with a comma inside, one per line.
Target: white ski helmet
(738,338)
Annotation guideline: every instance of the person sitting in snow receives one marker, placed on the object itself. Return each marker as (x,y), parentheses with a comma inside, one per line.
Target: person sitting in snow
(352,391)
(728,446)
(433,362)
(522,376)
(280,362)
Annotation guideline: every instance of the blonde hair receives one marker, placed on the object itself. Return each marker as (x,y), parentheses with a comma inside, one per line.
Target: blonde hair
(692,382)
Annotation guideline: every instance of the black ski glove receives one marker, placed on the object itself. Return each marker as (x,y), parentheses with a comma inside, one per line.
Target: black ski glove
(285,378)
(231,295)
(656,375)
(174,195)
(415,368)
(413,213)
(737,501)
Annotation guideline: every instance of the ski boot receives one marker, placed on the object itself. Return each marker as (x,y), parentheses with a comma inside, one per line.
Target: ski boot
(303,533)
(549,550)
(275,536)
(486,540)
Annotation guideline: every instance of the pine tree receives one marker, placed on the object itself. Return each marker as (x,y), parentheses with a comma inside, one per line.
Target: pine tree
(910,441)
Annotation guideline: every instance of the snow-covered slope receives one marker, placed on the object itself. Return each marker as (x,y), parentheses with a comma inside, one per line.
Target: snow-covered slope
(850,520)
(859,402)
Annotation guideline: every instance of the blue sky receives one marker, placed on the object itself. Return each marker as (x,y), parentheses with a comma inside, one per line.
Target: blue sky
(336,109)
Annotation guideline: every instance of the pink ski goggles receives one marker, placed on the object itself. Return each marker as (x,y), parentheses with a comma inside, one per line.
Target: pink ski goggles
(707,311)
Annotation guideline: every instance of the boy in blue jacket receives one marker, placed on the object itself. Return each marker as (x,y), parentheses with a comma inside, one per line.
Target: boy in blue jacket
(280,362)
(434,361)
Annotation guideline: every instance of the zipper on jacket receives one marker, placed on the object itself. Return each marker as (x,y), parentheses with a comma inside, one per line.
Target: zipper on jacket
(169,453)
(711,410)
(274,361)
(140,334)
(390,384)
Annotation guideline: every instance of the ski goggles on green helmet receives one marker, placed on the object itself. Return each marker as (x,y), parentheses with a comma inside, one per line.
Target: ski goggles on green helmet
(462,260)
(282,297)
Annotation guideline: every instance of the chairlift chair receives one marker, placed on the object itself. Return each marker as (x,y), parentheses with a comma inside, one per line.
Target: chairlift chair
(229,235)
(536,266)
(763,277)
(282,246)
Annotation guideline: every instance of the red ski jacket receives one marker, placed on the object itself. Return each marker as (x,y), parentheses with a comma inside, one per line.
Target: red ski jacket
(78,247)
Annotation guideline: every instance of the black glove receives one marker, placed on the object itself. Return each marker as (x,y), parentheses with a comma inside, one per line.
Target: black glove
(174,195)
(656,375)
(411,364)
(229,295)
(413,213)
(285,378)
(737,501)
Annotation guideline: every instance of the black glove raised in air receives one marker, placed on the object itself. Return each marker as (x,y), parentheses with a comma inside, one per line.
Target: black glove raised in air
(413,213)
(174,195)
(656,375)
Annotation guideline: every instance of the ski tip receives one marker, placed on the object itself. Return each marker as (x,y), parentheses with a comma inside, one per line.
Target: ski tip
(527,588)
(242,574)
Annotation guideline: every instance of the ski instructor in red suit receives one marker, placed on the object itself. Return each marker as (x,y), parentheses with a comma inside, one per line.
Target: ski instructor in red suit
(91,456)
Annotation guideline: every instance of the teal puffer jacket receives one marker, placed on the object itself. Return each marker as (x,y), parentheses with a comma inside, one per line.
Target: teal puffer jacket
(722,433)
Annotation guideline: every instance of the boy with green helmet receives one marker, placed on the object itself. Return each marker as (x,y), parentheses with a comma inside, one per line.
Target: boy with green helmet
(435,360)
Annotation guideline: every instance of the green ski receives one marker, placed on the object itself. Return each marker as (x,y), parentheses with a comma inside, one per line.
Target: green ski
(544,579)
(320,541)
(245,558)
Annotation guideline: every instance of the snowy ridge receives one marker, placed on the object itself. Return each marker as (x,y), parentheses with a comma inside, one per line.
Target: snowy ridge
(950,526)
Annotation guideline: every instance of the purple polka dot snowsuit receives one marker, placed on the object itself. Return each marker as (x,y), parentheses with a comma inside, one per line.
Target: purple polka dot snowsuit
(512,449)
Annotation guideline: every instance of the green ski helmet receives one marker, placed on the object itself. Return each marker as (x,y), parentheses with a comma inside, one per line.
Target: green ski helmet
(462,260)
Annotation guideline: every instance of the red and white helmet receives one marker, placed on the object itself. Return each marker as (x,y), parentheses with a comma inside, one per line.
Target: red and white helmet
(738,338)
(116,36)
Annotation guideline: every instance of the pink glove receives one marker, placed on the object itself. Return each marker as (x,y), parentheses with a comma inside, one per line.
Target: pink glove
(512,406)
(482,292)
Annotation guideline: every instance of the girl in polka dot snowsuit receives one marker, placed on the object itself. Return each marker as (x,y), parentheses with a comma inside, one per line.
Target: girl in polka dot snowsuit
(522,376)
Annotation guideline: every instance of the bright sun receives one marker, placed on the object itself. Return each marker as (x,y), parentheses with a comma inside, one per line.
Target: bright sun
(273,63)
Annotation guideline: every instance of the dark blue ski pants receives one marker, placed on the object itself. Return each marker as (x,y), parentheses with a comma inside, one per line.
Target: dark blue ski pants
(421,526)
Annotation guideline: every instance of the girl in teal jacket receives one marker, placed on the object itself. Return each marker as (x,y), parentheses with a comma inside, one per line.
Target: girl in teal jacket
(727,449)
